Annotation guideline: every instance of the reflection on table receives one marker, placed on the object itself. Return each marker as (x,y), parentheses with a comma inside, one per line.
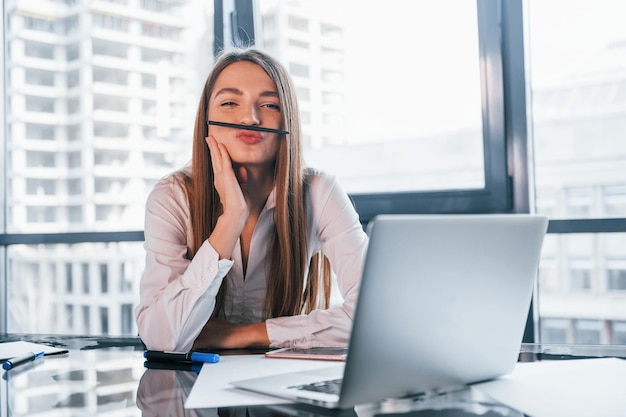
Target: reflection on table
(106,376)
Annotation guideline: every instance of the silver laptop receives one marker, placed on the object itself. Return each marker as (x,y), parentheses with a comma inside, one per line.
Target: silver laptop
(443,303)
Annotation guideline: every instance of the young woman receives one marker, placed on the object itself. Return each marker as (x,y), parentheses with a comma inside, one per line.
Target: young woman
(240,243)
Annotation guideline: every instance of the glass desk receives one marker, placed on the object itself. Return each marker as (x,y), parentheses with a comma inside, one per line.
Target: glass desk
(105,376)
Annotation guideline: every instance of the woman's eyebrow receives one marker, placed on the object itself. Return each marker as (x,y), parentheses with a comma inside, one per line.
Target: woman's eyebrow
(233,90)
(269,94)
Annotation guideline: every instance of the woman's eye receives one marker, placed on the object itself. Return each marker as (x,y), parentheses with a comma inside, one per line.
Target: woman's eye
(228,103)
(272,106)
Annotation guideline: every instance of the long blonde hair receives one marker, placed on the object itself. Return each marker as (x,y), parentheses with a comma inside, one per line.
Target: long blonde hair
(288,293)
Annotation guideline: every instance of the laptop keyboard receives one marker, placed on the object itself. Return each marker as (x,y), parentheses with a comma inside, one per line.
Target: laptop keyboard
(332,386)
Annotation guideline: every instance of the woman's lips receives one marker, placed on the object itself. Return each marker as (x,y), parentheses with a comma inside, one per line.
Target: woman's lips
(249,137)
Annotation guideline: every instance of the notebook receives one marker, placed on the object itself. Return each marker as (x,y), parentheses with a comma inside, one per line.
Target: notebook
(443,303)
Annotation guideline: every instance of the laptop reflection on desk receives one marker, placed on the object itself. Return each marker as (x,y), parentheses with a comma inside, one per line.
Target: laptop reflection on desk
(443,303)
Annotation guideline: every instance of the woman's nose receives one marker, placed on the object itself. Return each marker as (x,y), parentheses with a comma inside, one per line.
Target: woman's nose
(250,116)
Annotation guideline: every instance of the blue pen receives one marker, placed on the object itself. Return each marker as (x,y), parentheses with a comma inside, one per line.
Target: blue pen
(20,360)
(155,355)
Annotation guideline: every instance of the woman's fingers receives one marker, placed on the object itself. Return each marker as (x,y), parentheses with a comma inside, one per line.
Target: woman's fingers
(219,155)
(226,181)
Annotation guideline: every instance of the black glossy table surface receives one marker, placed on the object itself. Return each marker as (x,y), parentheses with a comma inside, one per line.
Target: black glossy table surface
(106,376)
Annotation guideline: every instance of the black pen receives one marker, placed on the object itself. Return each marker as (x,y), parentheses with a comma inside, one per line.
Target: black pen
(156,355)
(248,127)
(20,360)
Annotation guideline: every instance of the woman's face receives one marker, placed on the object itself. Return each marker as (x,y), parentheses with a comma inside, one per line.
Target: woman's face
(244,94)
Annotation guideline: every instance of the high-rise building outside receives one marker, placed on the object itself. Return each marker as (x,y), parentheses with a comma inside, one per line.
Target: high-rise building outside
(99,93)
(309,40)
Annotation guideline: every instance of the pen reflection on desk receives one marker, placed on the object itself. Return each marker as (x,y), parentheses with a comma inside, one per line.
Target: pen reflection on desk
(202,357)
(21,360)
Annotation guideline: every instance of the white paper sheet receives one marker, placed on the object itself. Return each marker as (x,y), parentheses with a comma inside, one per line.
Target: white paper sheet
(10,350)
(563,388)
(212,387)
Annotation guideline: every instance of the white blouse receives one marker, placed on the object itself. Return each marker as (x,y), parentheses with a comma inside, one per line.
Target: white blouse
(177,294)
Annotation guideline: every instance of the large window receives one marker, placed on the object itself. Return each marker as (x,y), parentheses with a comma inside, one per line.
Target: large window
(417,107)
(396,116)
(578,89)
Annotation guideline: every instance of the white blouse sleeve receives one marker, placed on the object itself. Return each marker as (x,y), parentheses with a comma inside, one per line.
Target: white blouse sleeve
(177,295)
(334,224)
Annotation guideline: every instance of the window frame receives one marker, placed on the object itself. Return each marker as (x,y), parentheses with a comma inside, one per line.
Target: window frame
(496,196)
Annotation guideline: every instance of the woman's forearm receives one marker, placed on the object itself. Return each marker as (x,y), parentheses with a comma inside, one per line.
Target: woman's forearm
(220,334)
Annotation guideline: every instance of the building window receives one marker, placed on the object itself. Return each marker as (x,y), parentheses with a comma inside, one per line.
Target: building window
(110,103)
(304,94)
(579,202)
(72,52)
(298,46)
(104,320)
(158,6)
(40,131)
(73,79)
(299,70)
(84,267)
(580,279)
(616,279)
(128,318)
(39,104)
(149,81)
(70,25)
(588,332)
(554,330)
(332,55)
(298,23)
(41,214)
(73,106)
(69,279)
(69,317)
(40,187)
(332,98)
(331,31)
(40,25)
(106,21)
(618,332)
(40,159)
(110,76)
(159,31)
(74,160)
(614,199)
(86,311)
(104,278)
(38,50)
(332,76)
(75,214)
(39,77)
(109,48)
(73,133)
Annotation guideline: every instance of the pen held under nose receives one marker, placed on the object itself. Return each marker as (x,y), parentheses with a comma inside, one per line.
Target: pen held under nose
(248,127)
